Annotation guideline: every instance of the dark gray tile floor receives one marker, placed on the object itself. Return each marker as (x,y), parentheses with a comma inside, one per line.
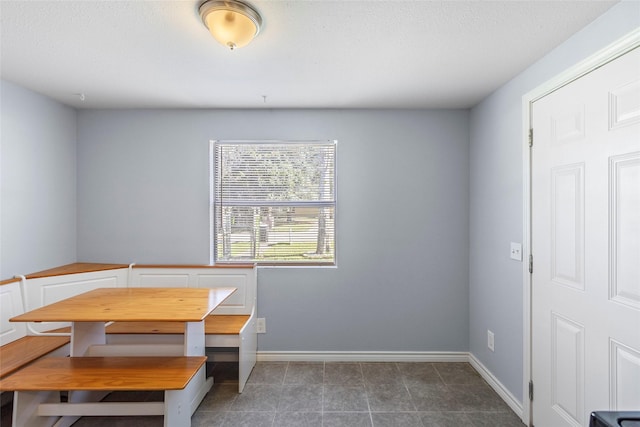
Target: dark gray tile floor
(283,394)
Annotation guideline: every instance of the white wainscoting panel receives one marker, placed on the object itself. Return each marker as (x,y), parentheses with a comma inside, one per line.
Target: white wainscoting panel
(162,280)
(47,290)
(242,301)
(11,306)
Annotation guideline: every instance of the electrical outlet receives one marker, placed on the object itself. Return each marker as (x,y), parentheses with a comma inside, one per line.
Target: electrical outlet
(261,325)
(516,251)
(490,340)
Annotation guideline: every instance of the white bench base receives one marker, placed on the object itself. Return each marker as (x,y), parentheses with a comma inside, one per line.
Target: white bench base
(40,409)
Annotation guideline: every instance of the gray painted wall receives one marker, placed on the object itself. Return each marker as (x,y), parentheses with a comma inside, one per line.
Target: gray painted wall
(496,214)
(142,196)
(37,182)
(402,221)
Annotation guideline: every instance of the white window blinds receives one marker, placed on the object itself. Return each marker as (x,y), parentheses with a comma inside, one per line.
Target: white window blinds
(274,202)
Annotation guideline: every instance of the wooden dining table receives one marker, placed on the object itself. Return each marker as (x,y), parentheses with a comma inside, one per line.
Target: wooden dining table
(90,312)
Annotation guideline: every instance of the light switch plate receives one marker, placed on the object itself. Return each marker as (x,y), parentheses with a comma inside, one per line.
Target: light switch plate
(261,325)
(516,251)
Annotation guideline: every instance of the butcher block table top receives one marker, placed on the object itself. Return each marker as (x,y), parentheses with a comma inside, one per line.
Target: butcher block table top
(133,305)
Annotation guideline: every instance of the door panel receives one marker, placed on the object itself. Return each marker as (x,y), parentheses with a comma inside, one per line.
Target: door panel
(624,212)
(567,376)
(625,371)
(586,246)
(567,225)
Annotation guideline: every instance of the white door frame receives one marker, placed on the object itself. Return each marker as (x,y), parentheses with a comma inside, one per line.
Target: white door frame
(598,59)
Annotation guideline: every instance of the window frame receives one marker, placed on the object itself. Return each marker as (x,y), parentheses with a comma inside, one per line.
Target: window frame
(212,206)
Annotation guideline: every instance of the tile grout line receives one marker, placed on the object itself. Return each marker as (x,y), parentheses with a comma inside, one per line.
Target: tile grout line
(406,387)
(284,377)
(364,381)
(324,371)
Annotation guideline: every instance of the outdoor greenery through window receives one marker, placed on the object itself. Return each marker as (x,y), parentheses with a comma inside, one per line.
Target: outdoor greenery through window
(273,202)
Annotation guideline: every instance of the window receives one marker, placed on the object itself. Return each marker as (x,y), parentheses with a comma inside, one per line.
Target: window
(273,202)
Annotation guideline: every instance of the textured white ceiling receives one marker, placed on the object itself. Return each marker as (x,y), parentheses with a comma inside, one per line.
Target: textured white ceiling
(310,54)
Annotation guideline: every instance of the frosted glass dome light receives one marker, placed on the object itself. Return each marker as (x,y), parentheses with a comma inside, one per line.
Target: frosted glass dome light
(233,23)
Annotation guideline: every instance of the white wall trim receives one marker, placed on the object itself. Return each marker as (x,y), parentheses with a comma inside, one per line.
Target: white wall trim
(598,59)
(495,384)
(362,356)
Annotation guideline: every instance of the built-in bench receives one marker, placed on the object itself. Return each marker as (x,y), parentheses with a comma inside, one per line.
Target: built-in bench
(230,330)
(17,349)
(25,350)
(38,385)
(216,324)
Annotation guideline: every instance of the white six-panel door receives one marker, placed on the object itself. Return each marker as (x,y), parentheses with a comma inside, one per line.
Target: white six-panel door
(586,246)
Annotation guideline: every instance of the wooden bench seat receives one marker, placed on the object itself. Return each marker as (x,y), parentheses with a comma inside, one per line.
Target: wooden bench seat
(215,324)
(37,388)
(228,337)
(105,373)
(18,349)
(25,350)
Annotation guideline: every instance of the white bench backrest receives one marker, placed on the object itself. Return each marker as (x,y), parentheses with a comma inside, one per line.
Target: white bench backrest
(10,306)
(244,279)
(47,290)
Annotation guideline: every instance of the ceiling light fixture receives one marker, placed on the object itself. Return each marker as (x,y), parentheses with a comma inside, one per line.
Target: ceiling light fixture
(233,23)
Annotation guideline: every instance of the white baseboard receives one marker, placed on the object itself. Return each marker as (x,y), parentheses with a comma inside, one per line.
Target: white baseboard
(362,356)
(496,385)
(395,356)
